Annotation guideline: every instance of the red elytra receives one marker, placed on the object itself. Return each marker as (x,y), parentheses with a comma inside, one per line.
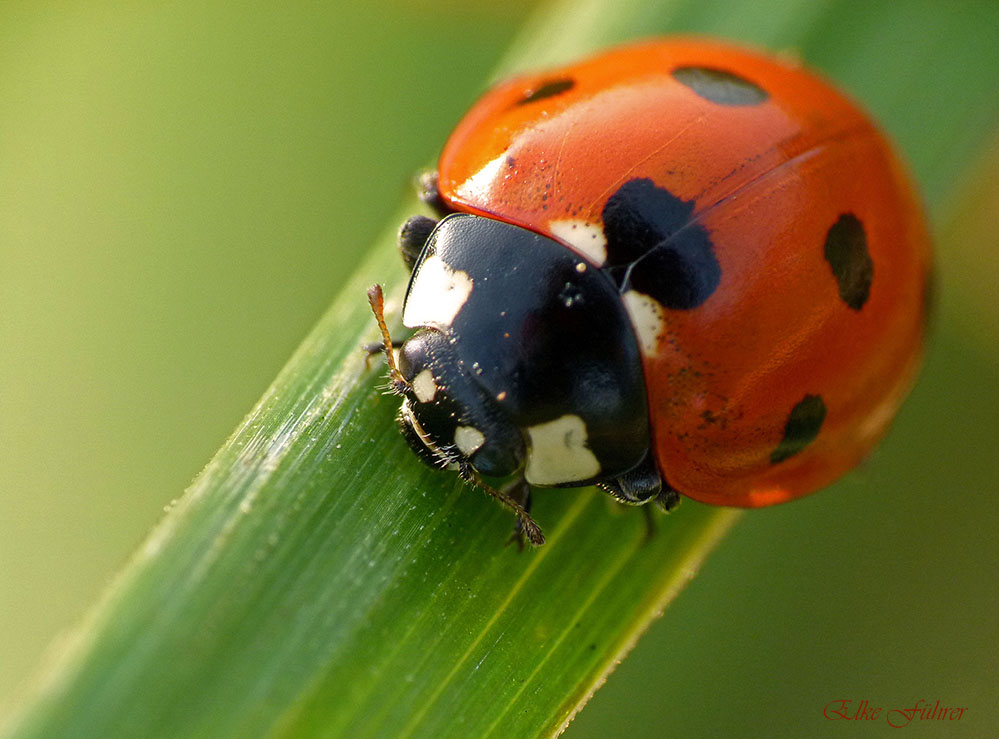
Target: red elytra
(787,374)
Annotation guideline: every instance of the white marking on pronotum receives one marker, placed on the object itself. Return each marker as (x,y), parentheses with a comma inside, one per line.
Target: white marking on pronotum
(647,318)
(437,294)
(558,452)
(468,439)
(587,238)
(424,386)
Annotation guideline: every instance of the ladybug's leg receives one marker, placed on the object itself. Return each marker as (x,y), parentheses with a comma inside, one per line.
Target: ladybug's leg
(430,194)
(520,491)
(650,523)
(638,485)
(508,496)
(371,350)
(668,499)
(412,237)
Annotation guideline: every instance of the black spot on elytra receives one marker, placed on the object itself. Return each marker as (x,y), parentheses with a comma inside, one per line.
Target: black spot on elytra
(846,252)
(720,86)
(653,247)
(801,428)
(547,89)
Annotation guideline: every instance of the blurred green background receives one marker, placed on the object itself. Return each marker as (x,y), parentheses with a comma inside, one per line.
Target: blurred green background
(183,188)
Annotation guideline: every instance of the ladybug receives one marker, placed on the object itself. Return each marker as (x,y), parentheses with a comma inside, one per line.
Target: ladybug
(678,268)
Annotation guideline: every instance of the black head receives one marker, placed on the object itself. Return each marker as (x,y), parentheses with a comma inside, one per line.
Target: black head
(447,417)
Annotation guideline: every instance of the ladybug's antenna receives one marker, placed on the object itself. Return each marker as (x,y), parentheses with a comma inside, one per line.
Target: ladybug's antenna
(377,301)
(528,524)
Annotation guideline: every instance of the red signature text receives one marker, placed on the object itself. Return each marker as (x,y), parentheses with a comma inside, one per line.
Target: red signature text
(862,710)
